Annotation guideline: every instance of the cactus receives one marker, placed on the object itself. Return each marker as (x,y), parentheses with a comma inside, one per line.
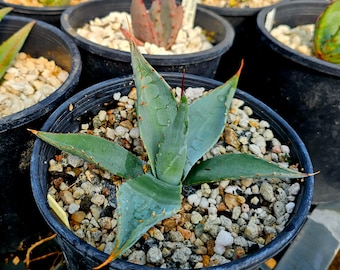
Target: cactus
(159,25)
(327,34)
(10,47)
(171,132)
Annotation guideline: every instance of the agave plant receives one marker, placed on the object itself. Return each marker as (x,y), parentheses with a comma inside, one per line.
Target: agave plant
(159,25)
(175,136)
(10,47)
(327,34)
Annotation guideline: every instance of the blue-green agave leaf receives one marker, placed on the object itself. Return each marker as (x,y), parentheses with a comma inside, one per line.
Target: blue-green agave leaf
(207,118)
(99,151)
(237,166)
(170,160)
(156,105)
(142,203)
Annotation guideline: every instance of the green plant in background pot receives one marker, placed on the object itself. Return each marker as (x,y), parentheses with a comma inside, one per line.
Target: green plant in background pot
(327,34)
(10,47)
(55,3)
(170,130)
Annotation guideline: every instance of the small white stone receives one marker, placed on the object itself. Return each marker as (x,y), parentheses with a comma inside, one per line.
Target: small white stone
(194,199)
(290,207)
(224,238)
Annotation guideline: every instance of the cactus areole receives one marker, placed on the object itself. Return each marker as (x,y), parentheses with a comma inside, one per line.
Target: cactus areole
(171,132)
(327,34)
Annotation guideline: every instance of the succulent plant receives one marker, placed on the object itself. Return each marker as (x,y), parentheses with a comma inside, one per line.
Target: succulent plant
(54,2)
(175,136)
(159,25)
(327,34)
(10,47)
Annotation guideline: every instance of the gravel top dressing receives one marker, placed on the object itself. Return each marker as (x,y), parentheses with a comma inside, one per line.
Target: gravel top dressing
(218,222)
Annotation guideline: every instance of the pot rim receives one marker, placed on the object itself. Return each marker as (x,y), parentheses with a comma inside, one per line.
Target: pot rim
(291,54)
(44,106)
(29,10)
(188,58)
(278,244)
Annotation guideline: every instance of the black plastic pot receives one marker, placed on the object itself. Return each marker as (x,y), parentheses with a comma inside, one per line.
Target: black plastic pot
(245,43)
(19,218)
(305,91)
(50,15)
(80,255)
(101,63)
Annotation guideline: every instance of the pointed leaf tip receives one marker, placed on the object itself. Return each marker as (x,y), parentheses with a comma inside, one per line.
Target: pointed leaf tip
(35,132)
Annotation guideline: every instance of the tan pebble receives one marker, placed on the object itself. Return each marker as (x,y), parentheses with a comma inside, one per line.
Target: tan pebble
(254,123)
(231,138)
(210,247)
(205,260)
(239,252)
(66,196)
(187,207)
(101,247)
(169,224)
(247,182)
(78,216)
(186,233)
(201,250)
(185,217)
(231,200)
(133,94)
(156,233)
(241,199)
(269,237)
(127,124)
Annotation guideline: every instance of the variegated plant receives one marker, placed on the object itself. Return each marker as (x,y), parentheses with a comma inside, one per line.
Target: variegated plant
(10,47)
(327,34)
(175,136)
(159,25)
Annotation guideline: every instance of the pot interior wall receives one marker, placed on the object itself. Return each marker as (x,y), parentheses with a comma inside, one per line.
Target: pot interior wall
(304,90)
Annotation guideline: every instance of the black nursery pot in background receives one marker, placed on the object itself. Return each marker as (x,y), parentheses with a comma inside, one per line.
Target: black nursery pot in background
(50,15)
(80,255)
(102,63)
(245,45)
(19,218)
(304,90)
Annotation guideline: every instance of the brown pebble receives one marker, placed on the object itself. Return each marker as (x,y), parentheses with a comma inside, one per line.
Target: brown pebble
(221,207)
(186,233)
(231,138)
(210,247)
(169,224)
(268,238)
(231,200)
(78,216)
